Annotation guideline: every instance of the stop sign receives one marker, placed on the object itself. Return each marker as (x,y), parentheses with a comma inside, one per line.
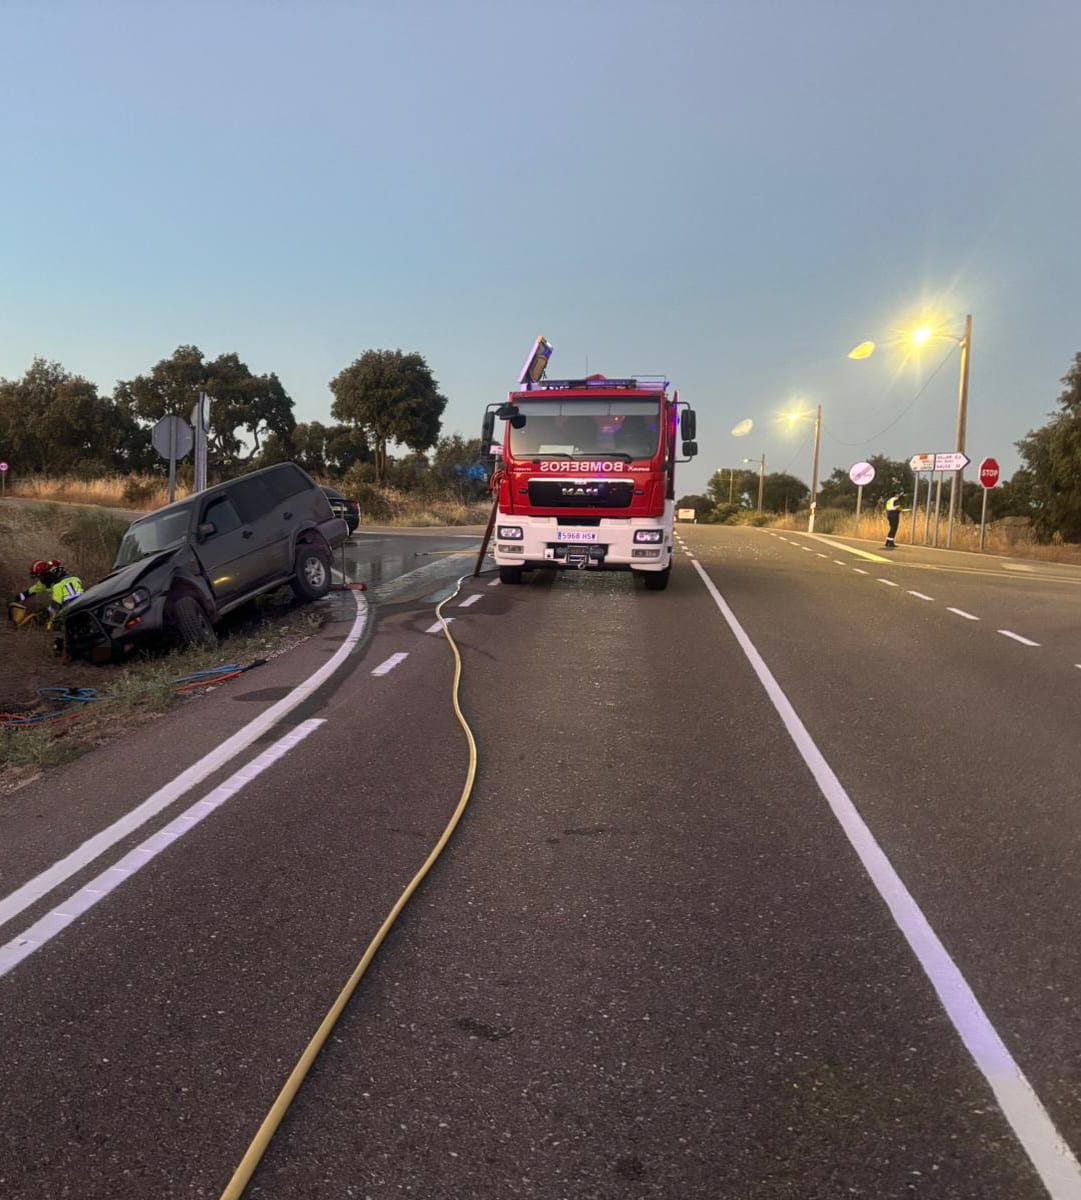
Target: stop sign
(988,473)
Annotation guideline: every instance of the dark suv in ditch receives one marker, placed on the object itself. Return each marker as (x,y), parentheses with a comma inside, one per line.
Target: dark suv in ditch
(182,568)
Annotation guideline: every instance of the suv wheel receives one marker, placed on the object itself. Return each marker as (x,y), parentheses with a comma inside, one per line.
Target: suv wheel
(193,626)
(311,573)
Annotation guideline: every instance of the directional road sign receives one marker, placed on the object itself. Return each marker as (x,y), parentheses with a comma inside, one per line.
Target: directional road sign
(988,473)
(921,462)
(951,462)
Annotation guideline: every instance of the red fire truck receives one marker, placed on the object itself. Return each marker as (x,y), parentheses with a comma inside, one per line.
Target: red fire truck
(587,478)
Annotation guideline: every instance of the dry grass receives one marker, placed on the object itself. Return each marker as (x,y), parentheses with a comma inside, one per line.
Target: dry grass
(111,491)
(381,506)
(1010,538)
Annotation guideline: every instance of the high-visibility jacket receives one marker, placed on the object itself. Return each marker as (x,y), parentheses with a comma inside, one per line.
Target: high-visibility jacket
(59,594)
(893,504)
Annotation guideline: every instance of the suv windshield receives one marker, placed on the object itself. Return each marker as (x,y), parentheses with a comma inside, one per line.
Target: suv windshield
(568,428)
(154,534)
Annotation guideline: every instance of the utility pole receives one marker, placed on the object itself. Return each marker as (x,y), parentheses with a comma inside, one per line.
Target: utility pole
(814,471)
(957,490)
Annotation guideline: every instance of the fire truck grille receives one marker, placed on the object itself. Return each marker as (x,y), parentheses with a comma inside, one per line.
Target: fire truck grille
(581,493)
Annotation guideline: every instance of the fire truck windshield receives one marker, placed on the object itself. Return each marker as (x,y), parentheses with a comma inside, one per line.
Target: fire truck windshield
(597,427)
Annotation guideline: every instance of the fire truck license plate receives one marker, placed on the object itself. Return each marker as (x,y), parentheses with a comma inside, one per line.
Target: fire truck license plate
(576,535)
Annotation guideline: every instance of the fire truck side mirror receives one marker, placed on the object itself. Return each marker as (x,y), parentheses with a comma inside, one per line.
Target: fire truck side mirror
(487,431)
(512,413)
(690,448)
(688,426)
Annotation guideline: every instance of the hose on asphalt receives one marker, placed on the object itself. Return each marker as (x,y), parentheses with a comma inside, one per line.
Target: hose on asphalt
(246,1168)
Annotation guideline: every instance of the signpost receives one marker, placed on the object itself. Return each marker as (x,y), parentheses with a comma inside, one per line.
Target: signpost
(3,478)
(988,480)
(935,464)
(200,419)
(861,473)
(172,438)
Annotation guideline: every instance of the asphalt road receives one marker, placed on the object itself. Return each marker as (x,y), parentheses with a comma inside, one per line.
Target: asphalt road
(655,960)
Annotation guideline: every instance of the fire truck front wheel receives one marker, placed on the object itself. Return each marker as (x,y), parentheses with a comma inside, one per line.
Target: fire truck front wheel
(510,574)
(656,581)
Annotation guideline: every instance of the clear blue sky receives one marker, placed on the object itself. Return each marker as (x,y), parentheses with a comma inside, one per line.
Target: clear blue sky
(732,193)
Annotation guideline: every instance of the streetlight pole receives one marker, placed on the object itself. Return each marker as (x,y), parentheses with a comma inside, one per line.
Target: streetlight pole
(761,478)
(957,490)
(814,470)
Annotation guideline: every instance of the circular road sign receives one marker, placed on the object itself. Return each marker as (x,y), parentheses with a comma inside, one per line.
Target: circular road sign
(3,466)
(988,472)
(862,474)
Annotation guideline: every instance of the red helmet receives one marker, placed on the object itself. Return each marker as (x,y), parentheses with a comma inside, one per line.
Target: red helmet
(46,566)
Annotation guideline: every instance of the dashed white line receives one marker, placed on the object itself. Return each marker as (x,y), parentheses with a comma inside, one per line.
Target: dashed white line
(1018,638)
(888,582)
(494,583)
(438,626)
(391,663)
(806,549)
(921,596)
(860,571)
(961,613)
(821,555)
(840,563)
(470,600)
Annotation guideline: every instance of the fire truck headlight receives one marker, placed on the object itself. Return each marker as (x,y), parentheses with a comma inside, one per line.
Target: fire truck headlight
(510,533)
(649,535)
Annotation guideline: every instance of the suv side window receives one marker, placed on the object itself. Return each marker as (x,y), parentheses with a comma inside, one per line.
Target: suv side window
(222,514)
(286,480)
(252,497)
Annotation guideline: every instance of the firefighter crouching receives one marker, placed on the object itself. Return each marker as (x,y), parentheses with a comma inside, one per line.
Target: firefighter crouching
(50,578)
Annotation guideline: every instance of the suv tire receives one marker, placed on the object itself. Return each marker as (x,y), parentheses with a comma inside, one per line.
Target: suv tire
(193,626)
(311,573)
(656,581)
(510,574)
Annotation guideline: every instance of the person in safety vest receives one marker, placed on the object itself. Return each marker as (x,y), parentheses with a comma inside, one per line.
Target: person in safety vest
(51,578)
(894,508)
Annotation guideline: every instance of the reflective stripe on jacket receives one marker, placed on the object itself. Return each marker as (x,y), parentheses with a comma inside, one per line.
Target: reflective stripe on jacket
(60,593)
(893,504)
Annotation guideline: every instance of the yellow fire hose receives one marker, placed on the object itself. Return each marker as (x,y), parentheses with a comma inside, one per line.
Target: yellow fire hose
(243,1173)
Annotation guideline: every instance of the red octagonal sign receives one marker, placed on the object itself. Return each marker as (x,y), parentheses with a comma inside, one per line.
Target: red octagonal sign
(989,472)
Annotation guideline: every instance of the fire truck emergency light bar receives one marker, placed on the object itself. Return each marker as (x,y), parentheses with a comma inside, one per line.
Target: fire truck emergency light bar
(652,383)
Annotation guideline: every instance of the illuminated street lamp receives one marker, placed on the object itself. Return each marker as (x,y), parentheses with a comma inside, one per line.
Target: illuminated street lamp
(919,337)
(792,418)
(761,477)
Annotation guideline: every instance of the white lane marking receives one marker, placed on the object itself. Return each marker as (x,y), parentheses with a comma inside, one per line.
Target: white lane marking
(865,554)
(840,563)
(386,667)
(921,596)
(961,613)
(821,555)
(494,583)
(438,626)
(888,582)
(860,571)
(470,600)
(1018,638)
(52,877)
(1050,1155)
(82,901)
(691,556)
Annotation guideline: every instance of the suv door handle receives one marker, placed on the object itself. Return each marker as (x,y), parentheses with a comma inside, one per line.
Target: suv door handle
(287,516)
(247,533)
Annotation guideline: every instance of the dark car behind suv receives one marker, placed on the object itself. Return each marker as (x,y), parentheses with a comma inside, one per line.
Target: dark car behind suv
(342,506)
(182,568)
